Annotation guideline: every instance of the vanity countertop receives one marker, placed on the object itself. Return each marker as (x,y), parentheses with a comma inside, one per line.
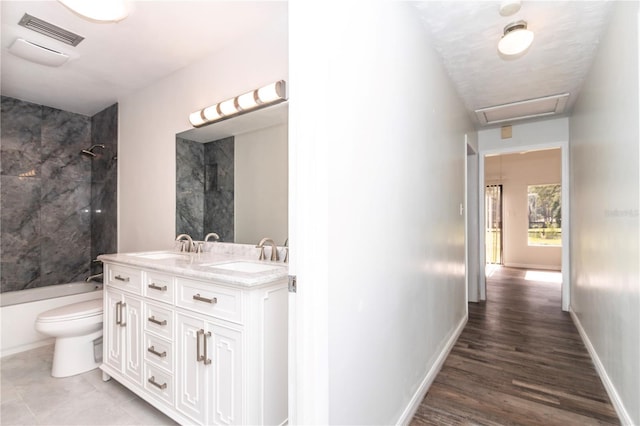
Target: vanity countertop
(230,264)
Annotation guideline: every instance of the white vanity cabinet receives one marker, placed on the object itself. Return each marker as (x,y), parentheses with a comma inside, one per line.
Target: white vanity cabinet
(203,351)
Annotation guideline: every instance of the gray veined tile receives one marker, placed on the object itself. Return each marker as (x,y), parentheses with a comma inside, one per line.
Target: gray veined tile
(20,137)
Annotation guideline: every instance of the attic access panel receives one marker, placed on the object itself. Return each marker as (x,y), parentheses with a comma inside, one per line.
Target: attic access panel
(531,108)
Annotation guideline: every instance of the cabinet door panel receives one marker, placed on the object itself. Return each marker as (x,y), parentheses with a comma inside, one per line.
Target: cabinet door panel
(133,339)
(190,373)
(225,347)
(113,352)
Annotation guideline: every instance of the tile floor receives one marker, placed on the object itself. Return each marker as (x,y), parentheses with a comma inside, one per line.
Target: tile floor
(30,396)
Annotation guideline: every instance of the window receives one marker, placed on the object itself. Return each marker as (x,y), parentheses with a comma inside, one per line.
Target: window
(545,215)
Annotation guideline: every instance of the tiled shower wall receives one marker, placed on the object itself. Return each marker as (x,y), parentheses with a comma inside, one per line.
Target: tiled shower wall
(205,188)
(47,194)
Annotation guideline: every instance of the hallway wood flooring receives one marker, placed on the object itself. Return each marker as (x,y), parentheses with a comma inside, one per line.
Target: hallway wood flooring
(519,361)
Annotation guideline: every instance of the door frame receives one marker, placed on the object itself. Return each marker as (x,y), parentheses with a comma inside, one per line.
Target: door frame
(566,225)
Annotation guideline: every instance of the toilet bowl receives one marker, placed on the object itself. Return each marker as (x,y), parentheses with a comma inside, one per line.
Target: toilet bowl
(76,327)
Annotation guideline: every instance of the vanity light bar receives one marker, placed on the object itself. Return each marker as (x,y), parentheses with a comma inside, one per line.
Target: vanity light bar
(265,96)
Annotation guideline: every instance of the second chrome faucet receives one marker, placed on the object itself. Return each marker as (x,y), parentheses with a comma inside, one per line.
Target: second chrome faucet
(274,249)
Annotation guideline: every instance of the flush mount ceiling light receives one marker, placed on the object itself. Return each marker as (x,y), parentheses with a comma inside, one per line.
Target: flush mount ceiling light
(516,39)
(271,94)
(99,10)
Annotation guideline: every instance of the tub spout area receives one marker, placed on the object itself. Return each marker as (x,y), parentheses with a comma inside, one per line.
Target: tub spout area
(97,277)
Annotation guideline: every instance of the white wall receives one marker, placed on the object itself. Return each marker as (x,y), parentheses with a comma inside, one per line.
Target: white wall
(377,148)
(605,191)
(515,172)
(525,135)
(150,118)
(261,185)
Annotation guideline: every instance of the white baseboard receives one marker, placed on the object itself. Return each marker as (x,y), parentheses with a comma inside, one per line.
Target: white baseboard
(533,266)
(417,398)
(27,347)
(624,416)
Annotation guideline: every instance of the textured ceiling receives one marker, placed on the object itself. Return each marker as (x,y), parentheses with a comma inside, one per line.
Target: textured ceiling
(466,35)
(157,39)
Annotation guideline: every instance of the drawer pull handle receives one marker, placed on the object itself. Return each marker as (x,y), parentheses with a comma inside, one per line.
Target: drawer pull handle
(119,316)
(202,357)
(160,354)
(152,380)
(155,321)
(119,278)
(204,299)
(157,287)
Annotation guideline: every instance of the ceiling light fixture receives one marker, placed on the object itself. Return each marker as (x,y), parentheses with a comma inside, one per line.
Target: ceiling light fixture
(516,39)
(271,94)
(509,7)
(99,10)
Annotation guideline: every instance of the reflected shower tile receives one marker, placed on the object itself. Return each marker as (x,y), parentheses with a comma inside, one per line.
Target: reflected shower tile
(20,137)
(64,135)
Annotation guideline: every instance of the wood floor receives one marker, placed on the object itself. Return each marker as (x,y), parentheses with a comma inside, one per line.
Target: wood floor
(519,361)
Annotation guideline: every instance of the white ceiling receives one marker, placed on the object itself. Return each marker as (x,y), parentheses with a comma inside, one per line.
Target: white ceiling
(157,39)
(160,37)
(466,35)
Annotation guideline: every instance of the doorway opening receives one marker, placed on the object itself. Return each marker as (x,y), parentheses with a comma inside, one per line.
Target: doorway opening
(514,234)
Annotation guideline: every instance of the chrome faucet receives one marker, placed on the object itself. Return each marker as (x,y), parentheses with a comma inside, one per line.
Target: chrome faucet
(215,236)
(286,251)
(274,249)
(184,238)
(95,277)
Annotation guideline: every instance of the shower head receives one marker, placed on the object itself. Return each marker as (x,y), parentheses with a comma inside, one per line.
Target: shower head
(90,152)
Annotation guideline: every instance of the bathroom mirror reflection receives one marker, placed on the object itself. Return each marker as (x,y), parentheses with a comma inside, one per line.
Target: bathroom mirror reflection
(232,178)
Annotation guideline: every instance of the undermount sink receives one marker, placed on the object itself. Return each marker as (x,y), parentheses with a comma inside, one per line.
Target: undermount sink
(248,267)
(160,256)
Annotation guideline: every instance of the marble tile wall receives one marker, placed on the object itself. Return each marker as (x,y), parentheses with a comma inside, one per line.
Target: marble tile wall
(205,188)
(45,196)
(104,184)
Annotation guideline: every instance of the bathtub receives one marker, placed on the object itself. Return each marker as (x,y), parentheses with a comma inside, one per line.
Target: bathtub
(19,310)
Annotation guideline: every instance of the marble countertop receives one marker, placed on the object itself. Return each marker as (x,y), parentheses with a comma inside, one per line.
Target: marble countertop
(232,264)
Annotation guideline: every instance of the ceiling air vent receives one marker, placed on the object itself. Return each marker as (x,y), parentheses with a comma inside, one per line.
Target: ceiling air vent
(539,107)
(50,30)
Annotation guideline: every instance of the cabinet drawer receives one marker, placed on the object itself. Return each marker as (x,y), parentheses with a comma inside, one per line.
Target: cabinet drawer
(210,299)
(158,383)
(125,278)
(158,286)
(159,320)
(158,352)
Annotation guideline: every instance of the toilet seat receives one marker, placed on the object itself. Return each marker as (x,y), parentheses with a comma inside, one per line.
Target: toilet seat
(89,308)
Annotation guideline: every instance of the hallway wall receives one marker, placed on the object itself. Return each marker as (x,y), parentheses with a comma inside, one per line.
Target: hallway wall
(377,142)
(605,192)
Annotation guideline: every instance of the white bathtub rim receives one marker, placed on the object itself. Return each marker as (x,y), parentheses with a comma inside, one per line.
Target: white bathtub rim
(17,322)
(36,294)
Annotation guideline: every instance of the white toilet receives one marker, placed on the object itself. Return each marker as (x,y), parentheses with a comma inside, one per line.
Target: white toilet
(76,327)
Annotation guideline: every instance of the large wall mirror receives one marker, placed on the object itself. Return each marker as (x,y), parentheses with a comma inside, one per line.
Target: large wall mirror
(232,178)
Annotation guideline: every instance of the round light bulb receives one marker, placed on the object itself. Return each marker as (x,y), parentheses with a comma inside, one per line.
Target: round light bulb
(195,118)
